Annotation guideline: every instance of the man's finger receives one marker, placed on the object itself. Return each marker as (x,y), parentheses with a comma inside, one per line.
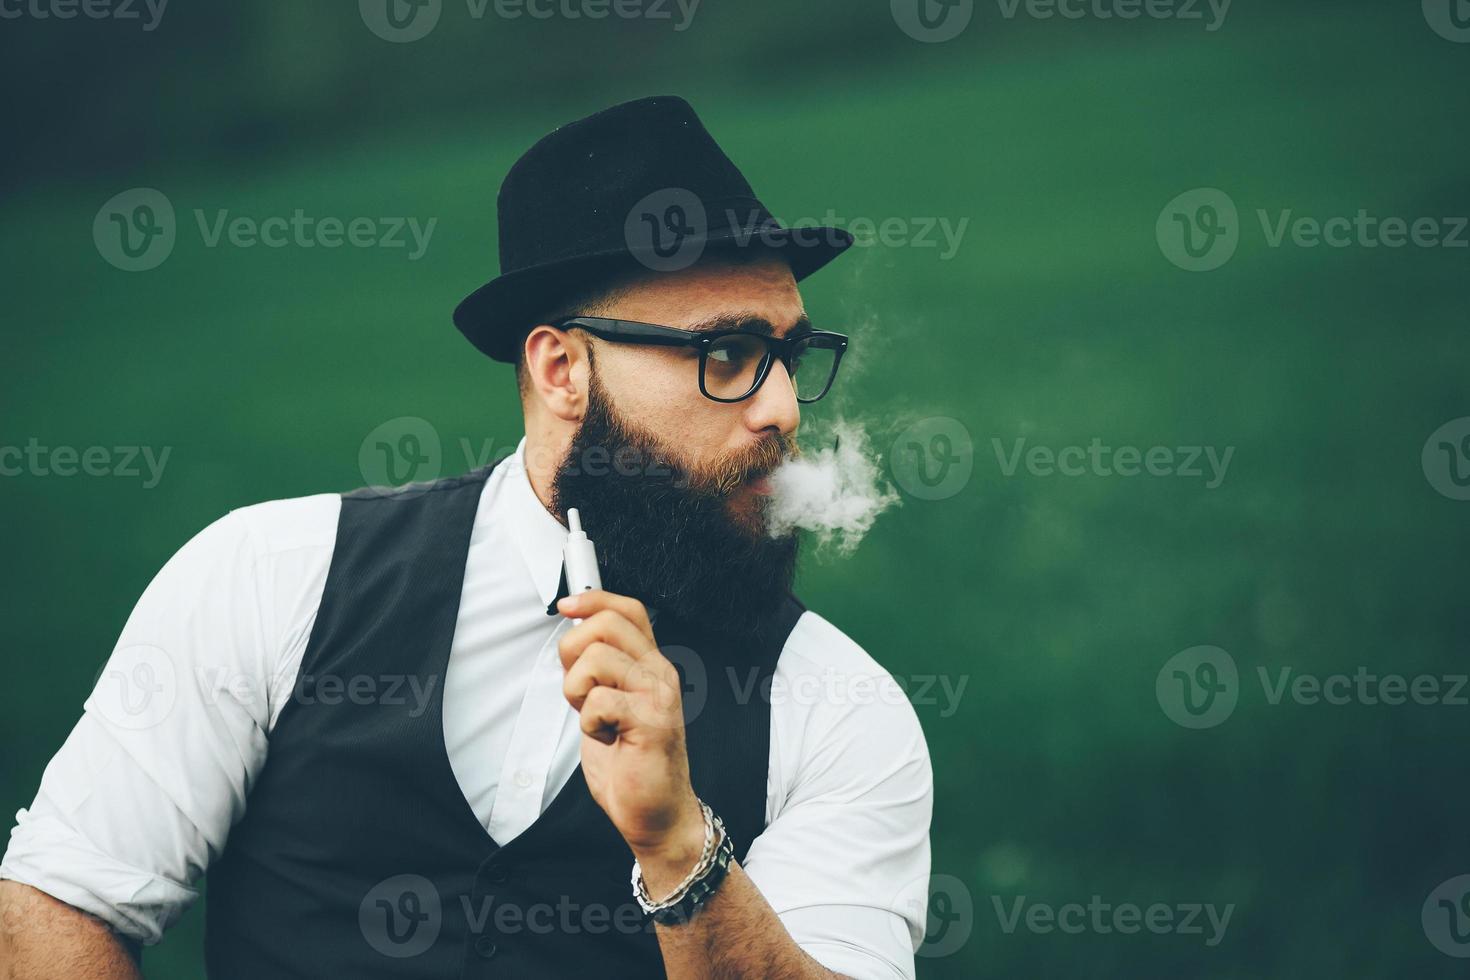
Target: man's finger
(605,712)
(584,604)
(608,627)
(605,665)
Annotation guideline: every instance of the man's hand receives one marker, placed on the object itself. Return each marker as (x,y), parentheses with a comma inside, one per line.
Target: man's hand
(633,753)
(637,768)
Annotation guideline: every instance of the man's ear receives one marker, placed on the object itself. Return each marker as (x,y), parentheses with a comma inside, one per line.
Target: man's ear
(557,371)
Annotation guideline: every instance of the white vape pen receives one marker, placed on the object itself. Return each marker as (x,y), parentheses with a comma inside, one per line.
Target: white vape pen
(580,557)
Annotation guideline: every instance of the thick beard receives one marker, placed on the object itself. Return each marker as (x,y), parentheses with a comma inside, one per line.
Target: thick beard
(665,534)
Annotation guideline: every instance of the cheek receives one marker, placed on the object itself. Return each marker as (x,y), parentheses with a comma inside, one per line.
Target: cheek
(661,396)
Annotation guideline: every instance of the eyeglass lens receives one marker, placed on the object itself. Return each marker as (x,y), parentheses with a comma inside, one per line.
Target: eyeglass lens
(732,364)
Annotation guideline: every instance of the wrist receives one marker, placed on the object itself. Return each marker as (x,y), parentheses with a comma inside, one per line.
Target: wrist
(701,881)
(668,860)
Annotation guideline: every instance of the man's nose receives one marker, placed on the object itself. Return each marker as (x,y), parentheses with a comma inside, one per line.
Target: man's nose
(774,405)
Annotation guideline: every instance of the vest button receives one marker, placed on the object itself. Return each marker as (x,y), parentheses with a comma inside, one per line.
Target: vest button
(496,874)
(486,947)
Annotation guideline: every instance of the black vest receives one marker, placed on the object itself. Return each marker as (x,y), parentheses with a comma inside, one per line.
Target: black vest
(358,855)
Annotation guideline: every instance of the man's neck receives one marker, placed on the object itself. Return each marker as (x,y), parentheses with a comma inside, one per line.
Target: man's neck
(544,453)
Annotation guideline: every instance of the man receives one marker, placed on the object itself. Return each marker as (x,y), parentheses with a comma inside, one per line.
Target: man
(400,748)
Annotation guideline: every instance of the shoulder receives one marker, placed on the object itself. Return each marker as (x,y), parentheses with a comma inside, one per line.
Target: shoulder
(290,543)
(257,554)
(240,544)
(235,604)
(272,527)
(823,665)
(817,643)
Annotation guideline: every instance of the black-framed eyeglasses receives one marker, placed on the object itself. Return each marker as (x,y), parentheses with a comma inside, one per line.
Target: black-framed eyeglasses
(734,363)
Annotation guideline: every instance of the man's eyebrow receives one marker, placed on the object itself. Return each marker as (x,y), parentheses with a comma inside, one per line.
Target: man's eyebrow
(746,321)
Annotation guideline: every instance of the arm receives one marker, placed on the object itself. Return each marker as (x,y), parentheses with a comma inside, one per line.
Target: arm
(633,755)
(735,934)
(43,939)
(140,798)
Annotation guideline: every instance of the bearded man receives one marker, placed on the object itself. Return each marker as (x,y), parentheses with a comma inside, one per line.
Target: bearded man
(396,746)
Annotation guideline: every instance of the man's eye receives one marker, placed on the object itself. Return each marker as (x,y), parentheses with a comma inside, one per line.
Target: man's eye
(737,351)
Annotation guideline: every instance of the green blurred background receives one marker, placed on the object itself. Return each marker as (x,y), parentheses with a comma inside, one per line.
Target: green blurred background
(1060,319)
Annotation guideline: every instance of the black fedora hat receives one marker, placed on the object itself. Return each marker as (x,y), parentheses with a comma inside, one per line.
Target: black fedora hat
(642,183)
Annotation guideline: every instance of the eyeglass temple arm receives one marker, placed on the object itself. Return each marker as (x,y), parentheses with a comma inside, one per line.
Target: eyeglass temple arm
(648,333)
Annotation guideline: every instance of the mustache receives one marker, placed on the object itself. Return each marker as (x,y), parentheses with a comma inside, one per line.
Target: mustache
(630,454)
(730,471)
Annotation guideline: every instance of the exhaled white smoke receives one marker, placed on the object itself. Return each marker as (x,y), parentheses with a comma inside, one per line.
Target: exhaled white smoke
(836,493)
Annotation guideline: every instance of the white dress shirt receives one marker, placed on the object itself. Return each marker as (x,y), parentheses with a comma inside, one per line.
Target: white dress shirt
(143,794)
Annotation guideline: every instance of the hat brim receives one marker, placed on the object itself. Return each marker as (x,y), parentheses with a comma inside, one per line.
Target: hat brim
(495,317)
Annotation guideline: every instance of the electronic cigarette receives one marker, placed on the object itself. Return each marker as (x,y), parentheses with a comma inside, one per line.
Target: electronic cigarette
(580,557)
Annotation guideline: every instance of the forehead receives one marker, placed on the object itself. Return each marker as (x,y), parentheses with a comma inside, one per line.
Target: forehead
(761,287)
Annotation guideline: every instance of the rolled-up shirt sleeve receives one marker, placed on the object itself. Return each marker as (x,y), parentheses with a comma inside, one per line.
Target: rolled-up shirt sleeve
(67,843)
(844,859)
(142,795)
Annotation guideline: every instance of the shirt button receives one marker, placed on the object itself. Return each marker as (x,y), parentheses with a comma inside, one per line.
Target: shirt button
(485,947)
(522,779)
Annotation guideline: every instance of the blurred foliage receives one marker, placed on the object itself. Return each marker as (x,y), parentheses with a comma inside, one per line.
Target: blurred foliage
(1058,776)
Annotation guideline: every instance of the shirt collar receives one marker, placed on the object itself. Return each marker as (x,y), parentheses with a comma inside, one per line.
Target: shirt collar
(540,537)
